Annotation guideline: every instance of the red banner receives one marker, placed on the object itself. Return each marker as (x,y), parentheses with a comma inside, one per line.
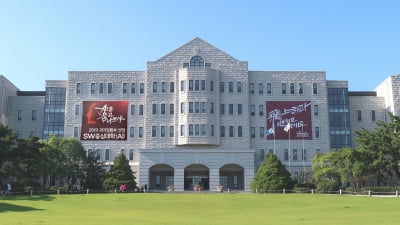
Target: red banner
(104,120)
(288,119)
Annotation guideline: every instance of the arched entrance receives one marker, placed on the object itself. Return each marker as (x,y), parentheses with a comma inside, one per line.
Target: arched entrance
(232,176)
(197,176)
(160,177)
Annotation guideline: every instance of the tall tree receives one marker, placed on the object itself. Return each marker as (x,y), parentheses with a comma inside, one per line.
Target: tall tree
(8,140)
(94,172)
(272,175)
(120,173)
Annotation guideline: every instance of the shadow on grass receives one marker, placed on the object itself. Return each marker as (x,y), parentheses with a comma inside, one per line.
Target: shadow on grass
(7,207)
(28,198)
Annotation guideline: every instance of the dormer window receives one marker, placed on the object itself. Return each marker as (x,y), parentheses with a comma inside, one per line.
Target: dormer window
(197,62)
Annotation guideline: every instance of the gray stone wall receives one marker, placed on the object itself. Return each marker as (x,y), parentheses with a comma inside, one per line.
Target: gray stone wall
(7,89)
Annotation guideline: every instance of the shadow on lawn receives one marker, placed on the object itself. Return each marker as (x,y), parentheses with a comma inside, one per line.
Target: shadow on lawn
(7,207)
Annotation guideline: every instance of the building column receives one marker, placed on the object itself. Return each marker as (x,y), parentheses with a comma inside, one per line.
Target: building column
(179,174)
(214,179)
(248,178)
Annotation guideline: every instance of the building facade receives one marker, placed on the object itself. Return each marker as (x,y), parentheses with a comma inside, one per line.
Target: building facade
(199,117)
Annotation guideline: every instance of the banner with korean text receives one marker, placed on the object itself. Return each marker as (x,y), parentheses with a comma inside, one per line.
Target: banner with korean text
(104,120)
(295,113)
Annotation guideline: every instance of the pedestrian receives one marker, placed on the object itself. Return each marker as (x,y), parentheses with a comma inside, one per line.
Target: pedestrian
(8,190)
(145,187)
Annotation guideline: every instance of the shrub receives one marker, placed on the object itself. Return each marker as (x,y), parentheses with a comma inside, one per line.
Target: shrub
(327,185)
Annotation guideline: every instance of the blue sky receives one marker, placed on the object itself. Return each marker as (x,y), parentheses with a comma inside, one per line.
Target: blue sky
(358,41)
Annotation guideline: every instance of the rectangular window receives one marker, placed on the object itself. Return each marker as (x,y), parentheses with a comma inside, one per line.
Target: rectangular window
(230,131)
(190,85)
(285,154)
(132,110)
(317,134)
(77,110)
(92,88)
(253,132)
(203,107)
(19,114)
(171,131)
(283,88)
(190,130)
(78,88)
(252,110)
(203,85)
(230,109)
(269,88)
(34,115)
(316,112)
(107,155)
(315,88)
(141,88)
(182,85)
(133,88)
(141,109)
(182,130)
(153,131)
(163,87)
(132,132)
(292,88)
(212,130)
(301,88)
(222,109)
(221,87)
(171,109)
(101,88)
(262,154)
(304,155)
(240,131)
(239,87)
(182,107)
(130,154)
(251,88)
(261,110)
(359,117)
(163,109)
(185,65)
(162,131)
(190,107)
(154,87)
(76,132)
(109,88)
(154,109)
(211,107)
(230,86)
(239,109)
(211,85)
(262,131)
(140,132)
(222,131)
(197,85)
(260,88)
(197,130)
(124,88)
(203,130)
(271,151)
(373,116)
(171,87)
(197,107)
(294,154)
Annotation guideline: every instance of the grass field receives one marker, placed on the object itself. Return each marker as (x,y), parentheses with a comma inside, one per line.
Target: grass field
(199,209)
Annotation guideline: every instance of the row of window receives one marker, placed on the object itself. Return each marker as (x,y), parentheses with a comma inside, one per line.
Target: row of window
(107,154)
(33,115)
(359,115)
(103,88)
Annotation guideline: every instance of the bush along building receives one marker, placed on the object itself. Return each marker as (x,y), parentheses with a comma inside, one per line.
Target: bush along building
(198,118)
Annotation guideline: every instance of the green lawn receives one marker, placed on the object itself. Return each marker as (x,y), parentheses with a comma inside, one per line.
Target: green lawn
(198,208)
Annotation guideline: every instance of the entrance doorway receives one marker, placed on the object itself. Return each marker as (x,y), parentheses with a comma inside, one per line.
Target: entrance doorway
(160,177)
(196,178)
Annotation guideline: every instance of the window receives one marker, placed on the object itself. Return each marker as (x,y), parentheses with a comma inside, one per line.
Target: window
(208,65)
(133,88)
(162,131)
(78,88)
(240,131)
(239,109)
(262,131)
(171,87)
(171,109)
(123,151)
(262,154)
(230,86)
(260,88)
(185,65)
(154,109)
(107,155)
(182,130)
(221,87)
(130,154)
(132,110)
(196,62)
(203,130)
(271,151)
(211,107)
(124,88)
(77,110)
(301,88)
(171,131)
(359,117)
(239,87)
(294,154)
(19,114)
(253,132)
(153,131)
(316,112)
(292,88)
(230,131)
(373,117)
(34,115)
(203,107)
(190,107)
(252,110)
(261,110)
(154,87)
(92,88)
(203,85)
(163,87)
(211,85)
(317,151)
(222,131)
(304,155)
(140,132)
(315,88)
(182,107)
(283,88)
(182,85)
(76,132)
(162,109)
(131,132)
(197,107)
(196,85)
(251,88)
(222,109)
(190,85)
(197,130)
(141,109)
(230,109)
(269,88)
(317,132)
(109,88)
(190,130)
(285,154)
(141,88)
(101,88)
(212,130)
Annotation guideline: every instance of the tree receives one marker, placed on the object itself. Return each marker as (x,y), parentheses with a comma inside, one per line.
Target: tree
(94,172)
(8,140)
(120,173)
(272,175)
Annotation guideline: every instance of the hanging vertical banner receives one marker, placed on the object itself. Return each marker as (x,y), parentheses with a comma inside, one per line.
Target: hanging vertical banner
(104,120)
(293,117)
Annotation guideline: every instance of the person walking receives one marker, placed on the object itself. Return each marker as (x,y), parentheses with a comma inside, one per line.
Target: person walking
(8,190)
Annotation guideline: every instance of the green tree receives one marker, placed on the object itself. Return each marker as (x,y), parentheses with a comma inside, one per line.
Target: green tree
(8,140)
(120,173)
(94,172)
(272,175)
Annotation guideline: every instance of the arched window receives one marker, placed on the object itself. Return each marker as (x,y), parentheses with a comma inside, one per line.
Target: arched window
(196,62)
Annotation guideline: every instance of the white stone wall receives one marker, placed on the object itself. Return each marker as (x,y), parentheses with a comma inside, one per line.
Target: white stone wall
(7,89)
(390,90)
